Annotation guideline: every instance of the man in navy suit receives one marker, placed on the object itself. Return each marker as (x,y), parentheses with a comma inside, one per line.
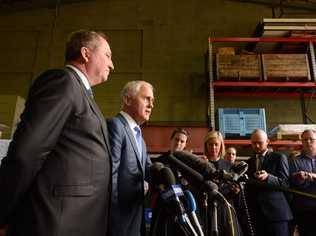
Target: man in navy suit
(56,177)
(130,161)
(269,208)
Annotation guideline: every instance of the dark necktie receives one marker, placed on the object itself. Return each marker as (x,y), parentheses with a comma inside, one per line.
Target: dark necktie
(259,160)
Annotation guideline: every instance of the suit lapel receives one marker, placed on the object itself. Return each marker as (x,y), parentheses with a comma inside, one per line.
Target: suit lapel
(252,166)
(93,106)
(132,140)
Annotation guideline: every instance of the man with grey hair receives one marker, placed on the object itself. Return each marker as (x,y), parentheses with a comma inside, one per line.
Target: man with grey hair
(57,172)
(269,208)
(303,178)
(130,161)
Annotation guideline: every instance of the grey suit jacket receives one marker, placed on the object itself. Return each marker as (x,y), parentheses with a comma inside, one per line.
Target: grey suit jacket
(128,175)
(55,179)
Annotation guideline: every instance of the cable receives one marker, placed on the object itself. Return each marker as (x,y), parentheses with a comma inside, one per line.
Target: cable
(246,209)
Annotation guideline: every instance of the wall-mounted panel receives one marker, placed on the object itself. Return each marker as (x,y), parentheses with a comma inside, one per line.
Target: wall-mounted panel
(18,50)
(15,83)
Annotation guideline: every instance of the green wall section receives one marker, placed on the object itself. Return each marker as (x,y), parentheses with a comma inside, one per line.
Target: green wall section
(163,42)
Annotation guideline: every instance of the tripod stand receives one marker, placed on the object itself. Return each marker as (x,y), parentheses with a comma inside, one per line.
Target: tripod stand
(218,215)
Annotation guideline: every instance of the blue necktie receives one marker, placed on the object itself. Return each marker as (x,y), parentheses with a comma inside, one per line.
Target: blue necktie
(90,92)
(138,137)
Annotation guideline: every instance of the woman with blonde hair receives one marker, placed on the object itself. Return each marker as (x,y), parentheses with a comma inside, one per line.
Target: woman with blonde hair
(214,150)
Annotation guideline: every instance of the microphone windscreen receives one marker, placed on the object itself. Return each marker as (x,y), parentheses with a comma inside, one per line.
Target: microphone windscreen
(154,171)
(167,177)
(197,163)
(191,204)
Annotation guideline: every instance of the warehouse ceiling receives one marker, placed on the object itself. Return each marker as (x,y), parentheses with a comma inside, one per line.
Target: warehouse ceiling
(7,6)
(308,5)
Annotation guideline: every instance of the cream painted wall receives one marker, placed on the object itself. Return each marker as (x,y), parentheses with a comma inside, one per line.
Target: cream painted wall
(163,42)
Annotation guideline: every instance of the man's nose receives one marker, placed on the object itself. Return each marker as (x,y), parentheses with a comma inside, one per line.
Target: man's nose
(111,65)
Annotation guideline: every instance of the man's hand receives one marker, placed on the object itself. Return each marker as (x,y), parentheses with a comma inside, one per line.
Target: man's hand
(146,188)
(261,175)
(303,176)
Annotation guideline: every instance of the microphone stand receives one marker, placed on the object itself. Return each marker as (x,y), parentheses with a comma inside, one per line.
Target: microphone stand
(214,218)
(205,212)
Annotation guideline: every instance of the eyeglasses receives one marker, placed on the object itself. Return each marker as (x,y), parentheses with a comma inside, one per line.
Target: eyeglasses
(308,139)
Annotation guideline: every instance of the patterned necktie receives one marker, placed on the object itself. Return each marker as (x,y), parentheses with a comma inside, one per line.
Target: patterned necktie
(138,137)
(258,161)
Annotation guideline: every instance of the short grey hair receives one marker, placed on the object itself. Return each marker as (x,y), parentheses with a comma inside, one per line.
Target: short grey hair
(132,88)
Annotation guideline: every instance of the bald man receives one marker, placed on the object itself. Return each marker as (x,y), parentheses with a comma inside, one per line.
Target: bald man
(269,209)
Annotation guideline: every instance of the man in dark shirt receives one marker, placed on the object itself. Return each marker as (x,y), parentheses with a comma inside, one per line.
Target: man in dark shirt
(303,178)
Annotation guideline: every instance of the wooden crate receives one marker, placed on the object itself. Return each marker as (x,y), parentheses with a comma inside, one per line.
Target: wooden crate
(285,67)
(238,67)
(226,51)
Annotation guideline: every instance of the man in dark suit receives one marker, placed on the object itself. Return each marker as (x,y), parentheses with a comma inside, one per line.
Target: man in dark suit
(56,177)
(269,208)
(130,161)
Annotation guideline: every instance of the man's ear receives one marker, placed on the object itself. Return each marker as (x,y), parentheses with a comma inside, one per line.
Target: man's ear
(127,101)
(85,53)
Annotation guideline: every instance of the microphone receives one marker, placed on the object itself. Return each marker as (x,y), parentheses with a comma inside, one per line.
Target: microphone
(154,172)
(197,163)
(193,176)
(208,170)
(171,196)
(191,209)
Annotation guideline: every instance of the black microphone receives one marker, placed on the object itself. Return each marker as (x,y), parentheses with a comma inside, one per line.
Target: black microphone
(171,193)
(190,207)
(192,176)
(171,196)
(195,162)
(207,169)
(154,172)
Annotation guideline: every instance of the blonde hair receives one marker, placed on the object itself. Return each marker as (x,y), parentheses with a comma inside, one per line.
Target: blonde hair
(215,135)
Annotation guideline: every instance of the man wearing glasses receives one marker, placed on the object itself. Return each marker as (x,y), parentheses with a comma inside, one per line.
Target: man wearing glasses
(303,178)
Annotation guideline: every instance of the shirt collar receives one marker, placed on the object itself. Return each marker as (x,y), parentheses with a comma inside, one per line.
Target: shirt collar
(81,75)
(131,122)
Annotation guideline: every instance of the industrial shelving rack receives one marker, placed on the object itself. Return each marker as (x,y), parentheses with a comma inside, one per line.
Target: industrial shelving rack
(292,88)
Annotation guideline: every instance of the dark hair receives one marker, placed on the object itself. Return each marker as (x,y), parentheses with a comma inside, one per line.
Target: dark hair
(79,39)
(181,131)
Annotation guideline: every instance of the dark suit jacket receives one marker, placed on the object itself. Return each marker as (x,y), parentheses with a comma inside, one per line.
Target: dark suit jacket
(272,204)
(55,179)
(128,175)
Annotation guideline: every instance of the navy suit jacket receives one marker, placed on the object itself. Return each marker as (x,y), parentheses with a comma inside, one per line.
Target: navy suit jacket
(272,204)
(56,177)
(128,175)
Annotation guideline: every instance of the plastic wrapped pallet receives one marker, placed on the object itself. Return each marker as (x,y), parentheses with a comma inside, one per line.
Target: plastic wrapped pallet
(289,131)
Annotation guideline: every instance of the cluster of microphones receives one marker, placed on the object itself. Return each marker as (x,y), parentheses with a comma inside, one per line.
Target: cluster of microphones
(198,172)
